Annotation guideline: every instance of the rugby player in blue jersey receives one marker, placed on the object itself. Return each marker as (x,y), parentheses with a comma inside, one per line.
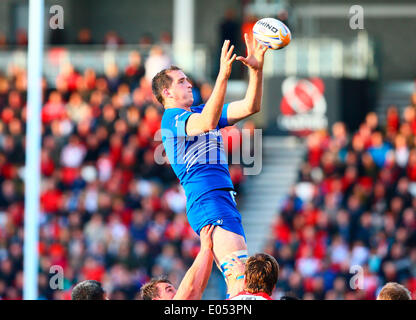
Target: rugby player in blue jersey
(195,150)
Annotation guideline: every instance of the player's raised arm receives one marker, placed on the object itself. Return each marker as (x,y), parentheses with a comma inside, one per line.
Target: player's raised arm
(208,119)
(251,103)
(196,278)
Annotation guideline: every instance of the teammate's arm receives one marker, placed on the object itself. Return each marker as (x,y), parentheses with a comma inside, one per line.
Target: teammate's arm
(196,278)
(251,103)
(208,119)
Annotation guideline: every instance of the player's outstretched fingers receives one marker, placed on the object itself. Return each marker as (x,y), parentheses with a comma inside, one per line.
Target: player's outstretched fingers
(225,47)
(227,59)
(249,45)
(210,229)
(207,230)
(230,52)
(261,49)
(206,236)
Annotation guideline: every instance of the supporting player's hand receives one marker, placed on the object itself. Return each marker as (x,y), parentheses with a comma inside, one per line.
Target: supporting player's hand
(206,237)
(255,54)
(227,59)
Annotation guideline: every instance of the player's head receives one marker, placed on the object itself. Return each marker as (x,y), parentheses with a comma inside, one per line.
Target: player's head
(88,290)
(394,291)
(158,289)
(262,272)
(172,87)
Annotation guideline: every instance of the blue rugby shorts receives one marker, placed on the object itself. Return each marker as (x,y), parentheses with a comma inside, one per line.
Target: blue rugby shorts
(216,207)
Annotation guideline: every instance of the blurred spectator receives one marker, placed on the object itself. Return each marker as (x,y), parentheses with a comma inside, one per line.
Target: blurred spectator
(112,40)
(113,77)
(353,205)
(146,39)
(73,153)
(401,152)
(283,16)
(393,120)
(135,70)
(371,120)
(78,109)
(3,41)
(165,38)
(379,150)
(84,37)
(230,29)
(21,37)
(54,109)
(247,26)
(107,209)
(68,78)
(155,62)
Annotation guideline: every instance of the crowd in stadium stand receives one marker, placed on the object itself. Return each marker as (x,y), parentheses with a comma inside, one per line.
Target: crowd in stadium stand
(111,39)
(109,212)
(351,212)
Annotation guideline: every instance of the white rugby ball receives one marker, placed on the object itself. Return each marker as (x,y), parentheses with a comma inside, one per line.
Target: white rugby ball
(272,33)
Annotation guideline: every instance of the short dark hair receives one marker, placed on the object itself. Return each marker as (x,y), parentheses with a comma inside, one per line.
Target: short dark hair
(161,81)
(394,291)
(262,273)
(88,290)
(149,290)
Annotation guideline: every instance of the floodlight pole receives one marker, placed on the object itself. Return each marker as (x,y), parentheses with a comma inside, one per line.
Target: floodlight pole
(32,174)
(183,33)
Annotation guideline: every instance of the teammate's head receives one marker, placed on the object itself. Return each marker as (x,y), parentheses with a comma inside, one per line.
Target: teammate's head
(394,291)
(88,290)
(262,272)
(171,86)
(158,289)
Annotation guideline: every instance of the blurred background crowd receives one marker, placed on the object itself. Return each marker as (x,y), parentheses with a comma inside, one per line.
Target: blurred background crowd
(111,213)
(352,211)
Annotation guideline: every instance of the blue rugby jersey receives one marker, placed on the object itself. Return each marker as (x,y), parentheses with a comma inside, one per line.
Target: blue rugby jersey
(199,162)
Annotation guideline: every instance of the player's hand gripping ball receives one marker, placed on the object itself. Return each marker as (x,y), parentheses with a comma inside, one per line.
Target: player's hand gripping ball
(272,33)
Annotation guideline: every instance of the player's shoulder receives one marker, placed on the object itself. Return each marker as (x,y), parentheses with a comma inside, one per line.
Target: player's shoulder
(172,114)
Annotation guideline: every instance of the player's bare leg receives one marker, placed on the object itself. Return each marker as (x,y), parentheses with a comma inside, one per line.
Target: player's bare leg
(226,243)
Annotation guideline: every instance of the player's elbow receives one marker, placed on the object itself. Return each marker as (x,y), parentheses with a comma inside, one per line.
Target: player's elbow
(254,109)
(257,107)
(252,106)
(209,125)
